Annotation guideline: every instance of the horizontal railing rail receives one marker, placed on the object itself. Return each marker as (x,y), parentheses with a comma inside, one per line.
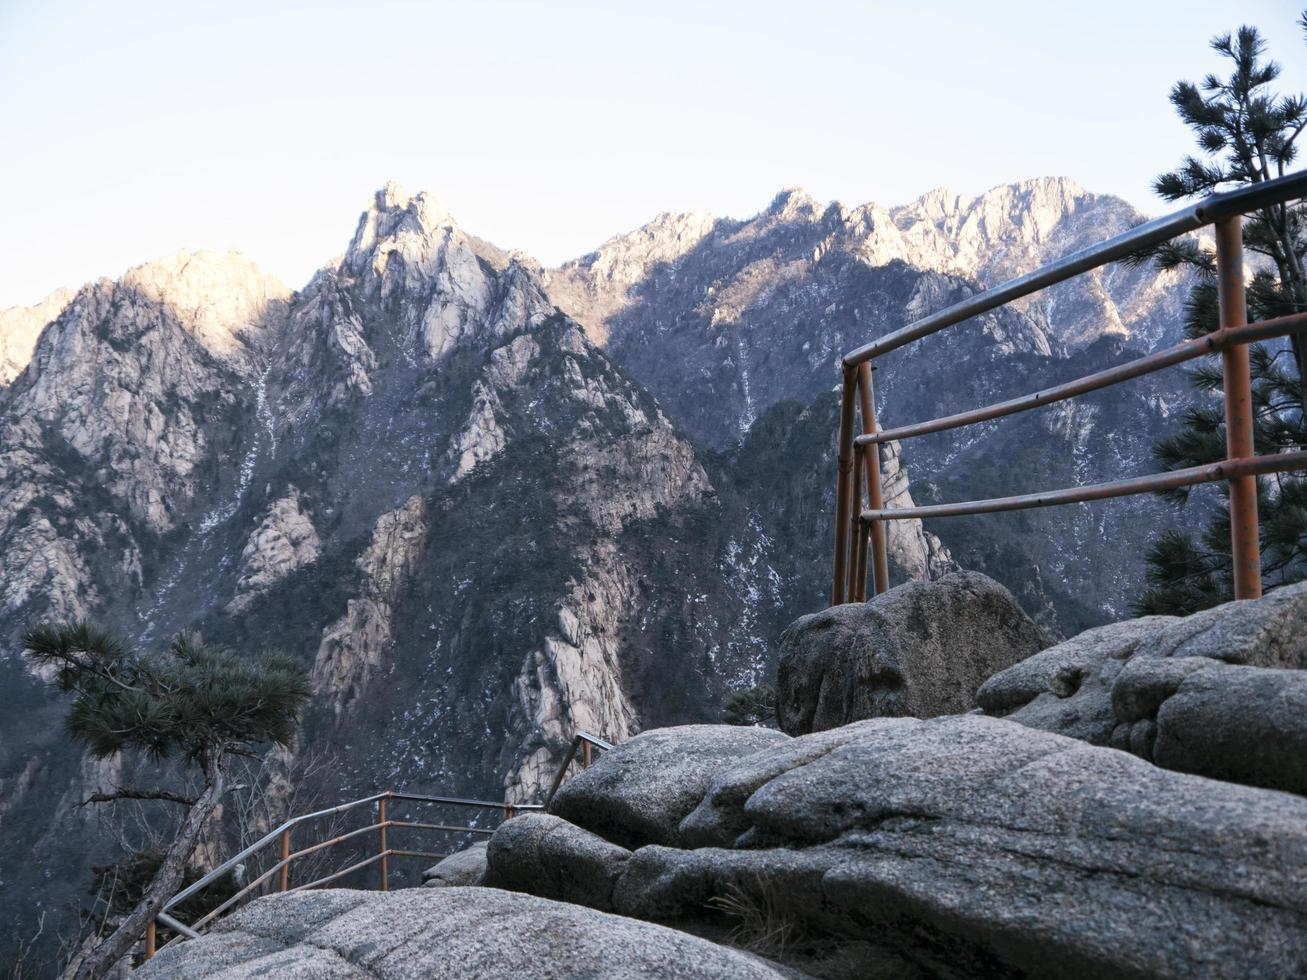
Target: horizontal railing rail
(859,531)
(1137,239)
(281,835)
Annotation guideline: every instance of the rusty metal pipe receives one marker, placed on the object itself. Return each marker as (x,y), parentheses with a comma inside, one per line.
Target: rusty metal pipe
(1118,247)
(385,862)
(452,828)
(860,560)
(285,859)
(1207,473)
(339,874)
(842,485)
(855,530)
(879,550)
(1237,383)
(1187,350)
(151,936)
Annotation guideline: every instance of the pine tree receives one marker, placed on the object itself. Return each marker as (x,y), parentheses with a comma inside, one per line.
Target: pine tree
(1247,134)
(196,704)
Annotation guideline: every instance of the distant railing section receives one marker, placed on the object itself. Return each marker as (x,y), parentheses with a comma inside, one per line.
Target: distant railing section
(586,744)
(280,870)
(859,530)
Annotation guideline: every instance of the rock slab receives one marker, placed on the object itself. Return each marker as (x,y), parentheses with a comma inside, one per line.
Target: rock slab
(640,794)
(973,847)
(1221,693)
(452,933)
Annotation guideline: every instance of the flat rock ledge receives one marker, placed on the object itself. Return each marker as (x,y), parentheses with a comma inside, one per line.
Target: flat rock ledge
(1221,693)
(921,650)
(452,933)
(965,846)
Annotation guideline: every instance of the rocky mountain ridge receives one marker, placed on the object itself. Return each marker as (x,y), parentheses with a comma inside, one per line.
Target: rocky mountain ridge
(724,320)
(482,522)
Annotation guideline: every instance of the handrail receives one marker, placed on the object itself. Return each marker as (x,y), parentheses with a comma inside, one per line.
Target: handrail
(1171,480)
(272,835)
(1120,246)
(858,528)
(1186,350)
(582,740)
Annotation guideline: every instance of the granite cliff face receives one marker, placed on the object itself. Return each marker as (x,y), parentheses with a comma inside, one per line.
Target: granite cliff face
(489,504)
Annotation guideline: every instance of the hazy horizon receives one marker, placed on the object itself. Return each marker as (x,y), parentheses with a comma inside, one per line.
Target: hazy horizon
(149,128)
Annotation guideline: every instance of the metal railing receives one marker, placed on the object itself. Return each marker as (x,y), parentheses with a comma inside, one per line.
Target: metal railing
(281,836)
(586,744)
(859,531)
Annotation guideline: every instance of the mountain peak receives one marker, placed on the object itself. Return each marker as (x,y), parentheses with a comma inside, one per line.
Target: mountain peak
(793,202)
(422,208)
(218,295)
(20,326)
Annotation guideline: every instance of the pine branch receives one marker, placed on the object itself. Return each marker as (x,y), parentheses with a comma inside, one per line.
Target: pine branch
(127,793)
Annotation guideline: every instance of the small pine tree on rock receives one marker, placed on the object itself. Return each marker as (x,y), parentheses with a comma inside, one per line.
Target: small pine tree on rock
(193,703)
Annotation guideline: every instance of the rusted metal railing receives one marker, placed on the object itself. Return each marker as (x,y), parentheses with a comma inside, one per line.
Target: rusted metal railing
(281,868)
(860,529)
(583,741)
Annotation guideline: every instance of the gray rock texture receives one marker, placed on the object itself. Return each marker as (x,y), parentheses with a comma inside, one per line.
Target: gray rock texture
(1221,693)
(640,792)
(466,867)
(550,857)
(921,649)
(452,933)
(972,846)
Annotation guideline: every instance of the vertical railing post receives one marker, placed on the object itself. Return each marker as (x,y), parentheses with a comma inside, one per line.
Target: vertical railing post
(285,858)
(855,526)
(842,485)
(385,860)
(586,749)
(151,938)
(508,811)
(1237,382)
(875,499)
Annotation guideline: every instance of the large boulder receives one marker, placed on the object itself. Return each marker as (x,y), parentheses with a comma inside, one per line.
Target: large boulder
(1221,693)
(641,791)
(453,933)
(921,649)
(552,858)
(976,847)
(465,867)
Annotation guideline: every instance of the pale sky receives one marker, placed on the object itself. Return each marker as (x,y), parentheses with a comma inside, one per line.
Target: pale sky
(129,130)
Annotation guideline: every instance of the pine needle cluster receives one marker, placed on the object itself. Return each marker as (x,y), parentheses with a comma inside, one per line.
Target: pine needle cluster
(1247,133)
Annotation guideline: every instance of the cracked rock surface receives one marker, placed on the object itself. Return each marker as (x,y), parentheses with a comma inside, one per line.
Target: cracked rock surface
(968,846)
(452,933)
(1221,693)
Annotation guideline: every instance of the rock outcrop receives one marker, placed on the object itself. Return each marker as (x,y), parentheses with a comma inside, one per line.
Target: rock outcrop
(969,846)
(453,933)
(655,782)
(1221,693)
(465,867)
(920,649)
(284,541)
